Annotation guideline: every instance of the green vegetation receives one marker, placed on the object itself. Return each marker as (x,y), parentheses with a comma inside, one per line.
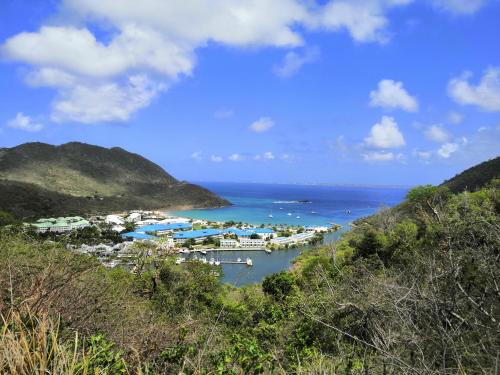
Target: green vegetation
(476,177)
(413,289)
(38,179)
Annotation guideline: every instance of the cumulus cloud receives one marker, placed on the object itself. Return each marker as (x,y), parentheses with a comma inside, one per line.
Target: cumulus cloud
(391,94)
(365,20)
(485,95)
(385,134)
(235,157)
(460,6)
(105,102)
(156,38)
(216,158)
(446,150)
(262,125)
(436,133)
(294,61)
(24,122)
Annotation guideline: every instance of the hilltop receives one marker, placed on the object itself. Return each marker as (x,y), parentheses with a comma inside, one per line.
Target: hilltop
(474,178)
(38,178)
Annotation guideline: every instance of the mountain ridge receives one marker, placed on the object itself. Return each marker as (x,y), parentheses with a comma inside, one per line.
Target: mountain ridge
(90,177)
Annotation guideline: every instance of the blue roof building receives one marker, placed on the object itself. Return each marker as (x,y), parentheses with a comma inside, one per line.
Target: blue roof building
(164,227)
(138,236)
(196,234)
(249,231)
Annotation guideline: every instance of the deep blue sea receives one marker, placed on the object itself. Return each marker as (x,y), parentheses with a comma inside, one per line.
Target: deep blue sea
(253,203)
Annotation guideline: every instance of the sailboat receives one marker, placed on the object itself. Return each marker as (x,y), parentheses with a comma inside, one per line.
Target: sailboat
(271,215)
(289,214)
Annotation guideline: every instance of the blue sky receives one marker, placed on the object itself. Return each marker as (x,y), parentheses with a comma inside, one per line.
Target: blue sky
(350,92)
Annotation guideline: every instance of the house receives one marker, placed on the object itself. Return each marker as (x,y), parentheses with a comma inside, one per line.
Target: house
(264,233)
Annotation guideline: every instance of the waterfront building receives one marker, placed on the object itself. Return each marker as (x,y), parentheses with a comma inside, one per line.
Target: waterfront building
(162,229)
(229,243)
(197,235)
(250,243)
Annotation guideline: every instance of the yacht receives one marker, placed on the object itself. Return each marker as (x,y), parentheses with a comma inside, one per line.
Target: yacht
(249,262)
(297,217)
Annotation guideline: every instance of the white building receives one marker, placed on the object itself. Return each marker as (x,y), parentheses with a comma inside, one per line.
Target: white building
(250,243)
(174,220)
(114,219)
(134,217)
(228,243)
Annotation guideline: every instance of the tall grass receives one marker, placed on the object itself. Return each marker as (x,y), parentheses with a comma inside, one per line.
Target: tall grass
(31,345)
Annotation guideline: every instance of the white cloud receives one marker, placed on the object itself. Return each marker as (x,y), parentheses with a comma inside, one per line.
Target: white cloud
(26,123)
(197,155)
(379,156)
(216,158)
(391,94)
(223,113)
(262,125)
(159,39)
(235,157)
(485,95)
(365,20)
(436,133)
(460,6)
(104,102)
(294,61)
(385,134)
(424,154)
(268,155)
(447,150)
(455,118)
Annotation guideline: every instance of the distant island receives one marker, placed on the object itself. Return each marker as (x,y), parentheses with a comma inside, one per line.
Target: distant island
(78,178)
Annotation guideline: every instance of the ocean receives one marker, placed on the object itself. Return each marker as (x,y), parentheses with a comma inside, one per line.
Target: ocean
(309,205)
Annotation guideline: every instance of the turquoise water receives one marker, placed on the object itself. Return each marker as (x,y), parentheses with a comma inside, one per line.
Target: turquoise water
(253,203)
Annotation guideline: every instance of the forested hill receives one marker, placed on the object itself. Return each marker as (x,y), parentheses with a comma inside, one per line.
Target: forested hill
(476,177)
(38,178)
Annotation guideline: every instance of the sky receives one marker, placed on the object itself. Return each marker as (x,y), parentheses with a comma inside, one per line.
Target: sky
(371,92)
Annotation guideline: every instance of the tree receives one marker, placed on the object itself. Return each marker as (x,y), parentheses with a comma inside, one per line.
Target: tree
(279,285)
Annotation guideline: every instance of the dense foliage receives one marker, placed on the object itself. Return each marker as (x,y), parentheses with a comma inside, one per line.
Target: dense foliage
(412,289)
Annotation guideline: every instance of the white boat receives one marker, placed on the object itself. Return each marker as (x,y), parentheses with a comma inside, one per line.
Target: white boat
(281,208)
(313,212)
(203,260)
(297,217)
(289,214)
(211,261)
(249,262)
(238,260)
(204,252)
(271,215)
(268,251)
(217,262)
(179,260)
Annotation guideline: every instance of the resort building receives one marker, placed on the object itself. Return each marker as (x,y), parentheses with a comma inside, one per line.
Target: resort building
(162,229)
(174,219)
(197,235)
(59,225)
(250,243)
(134,217)
(228,243)
(295,239)
(263,233)
(137,236)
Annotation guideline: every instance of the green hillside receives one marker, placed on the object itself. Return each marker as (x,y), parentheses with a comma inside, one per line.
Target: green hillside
(37,178)
(476,177)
